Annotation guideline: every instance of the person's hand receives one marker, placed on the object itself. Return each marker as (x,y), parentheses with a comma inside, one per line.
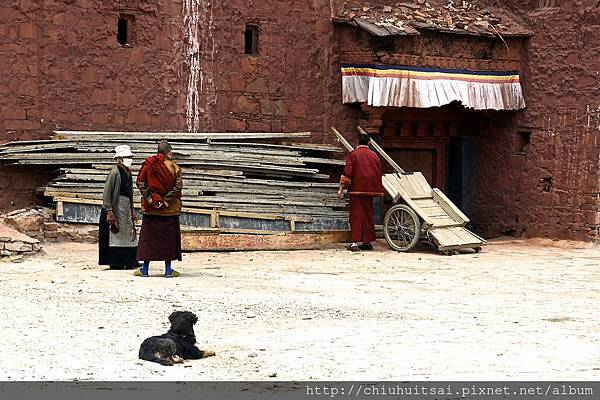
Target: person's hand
(113,224)
(340,193)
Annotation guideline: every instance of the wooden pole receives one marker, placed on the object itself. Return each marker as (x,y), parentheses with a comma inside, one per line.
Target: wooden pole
(342,140)
(381,152)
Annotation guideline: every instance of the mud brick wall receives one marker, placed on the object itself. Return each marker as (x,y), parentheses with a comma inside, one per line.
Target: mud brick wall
(18,186)
(19,105)
(293,84)
(67,71)
(64,69)
(551,189)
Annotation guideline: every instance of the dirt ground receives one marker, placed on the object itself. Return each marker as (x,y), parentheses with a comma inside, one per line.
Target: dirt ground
(518,310)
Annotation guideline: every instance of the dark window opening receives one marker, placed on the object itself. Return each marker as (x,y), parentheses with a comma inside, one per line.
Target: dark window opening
(431,129)
(399,129)
(524,138)
(125,32)
(447,129)
(547,184)
(251,39)
(414,128)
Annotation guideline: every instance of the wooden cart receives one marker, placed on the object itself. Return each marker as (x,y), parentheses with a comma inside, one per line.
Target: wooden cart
(420,212)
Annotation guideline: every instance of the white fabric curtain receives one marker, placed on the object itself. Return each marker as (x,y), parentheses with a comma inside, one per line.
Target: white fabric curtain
(423,89)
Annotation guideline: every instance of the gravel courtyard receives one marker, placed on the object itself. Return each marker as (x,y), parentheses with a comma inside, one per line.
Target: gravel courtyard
(519,310)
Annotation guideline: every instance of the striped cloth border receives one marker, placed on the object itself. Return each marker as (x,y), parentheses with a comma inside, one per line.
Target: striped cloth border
(423,87)
(426,73)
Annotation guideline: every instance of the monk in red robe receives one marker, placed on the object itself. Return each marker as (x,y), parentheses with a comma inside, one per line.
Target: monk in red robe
(160,183)
(362,176)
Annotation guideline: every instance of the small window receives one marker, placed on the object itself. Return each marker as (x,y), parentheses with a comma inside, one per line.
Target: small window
(399,129)
(523,140)
(125,30)
(546,184)
(431,129)
(414,128)
(447,129)
(251,39)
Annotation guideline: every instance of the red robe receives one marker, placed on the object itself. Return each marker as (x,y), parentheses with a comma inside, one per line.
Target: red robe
(363,175)
(159,179)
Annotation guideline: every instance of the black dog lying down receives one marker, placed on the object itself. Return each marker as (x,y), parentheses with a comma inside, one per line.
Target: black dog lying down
(177,344)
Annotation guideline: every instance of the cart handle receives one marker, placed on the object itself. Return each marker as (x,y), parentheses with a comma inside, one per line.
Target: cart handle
(342,140)
(382,153)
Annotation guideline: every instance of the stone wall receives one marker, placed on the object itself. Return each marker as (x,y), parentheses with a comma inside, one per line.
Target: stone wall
(40,226)
(293,84)
(552,188)
(68,71)
(14,245)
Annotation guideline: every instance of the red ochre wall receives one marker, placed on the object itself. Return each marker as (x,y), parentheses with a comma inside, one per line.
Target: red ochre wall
(561,79)
(63,69)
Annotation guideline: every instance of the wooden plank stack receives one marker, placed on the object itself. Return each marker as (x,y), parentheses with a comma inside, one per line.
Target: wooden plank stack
(233,182)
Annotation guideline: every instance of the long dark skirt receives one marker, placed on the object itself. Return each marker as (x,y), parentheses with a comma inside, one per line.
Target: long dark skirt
(362,225)
(116,257)
(160,239)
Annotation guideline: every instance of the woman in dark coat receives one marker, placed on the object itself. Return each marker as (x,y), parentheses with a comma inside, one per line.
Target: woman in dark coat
(117,239)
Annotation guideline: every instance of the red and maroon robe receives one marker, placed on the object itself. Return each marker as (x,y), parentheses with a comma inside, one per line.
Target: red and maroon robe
(363,175)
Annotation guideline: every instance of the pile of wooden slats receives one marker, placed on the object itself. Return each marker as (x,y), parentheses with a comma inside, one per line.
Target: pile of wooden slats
(226,175)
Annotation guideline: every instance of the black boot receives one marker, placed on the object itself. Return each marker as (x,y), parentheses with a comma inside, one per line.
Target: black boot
(366,246)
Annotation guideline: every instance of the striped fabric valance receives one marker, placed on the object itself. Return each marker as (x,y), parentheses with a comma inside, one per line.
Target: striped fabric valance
(403,86)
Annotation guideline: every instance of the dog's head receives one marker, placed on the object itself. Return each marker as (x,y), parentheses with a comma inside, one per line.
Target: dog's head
(182,322)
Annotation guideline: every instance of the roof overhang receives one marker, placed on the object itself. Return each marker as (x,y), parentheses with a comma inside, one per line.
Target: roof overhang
(403,18)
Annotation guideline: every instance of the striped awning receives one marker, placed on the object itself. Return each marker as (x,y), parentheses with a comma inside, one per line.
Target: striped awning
(421,87)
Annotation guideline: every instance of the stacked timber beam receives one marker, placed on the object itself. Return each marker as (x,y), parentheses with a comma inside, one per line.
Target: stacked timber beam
(233,182)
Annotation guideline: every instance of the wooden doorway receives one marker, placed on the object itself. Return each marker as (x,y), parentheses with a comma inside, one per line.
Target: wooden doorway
(417,139)
(426,156)
(415,160)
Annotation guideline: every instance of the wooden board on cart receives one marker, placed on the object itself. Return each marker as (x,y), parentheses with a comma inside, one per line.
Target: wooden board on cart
(454,238)
(431,205)
(442,220)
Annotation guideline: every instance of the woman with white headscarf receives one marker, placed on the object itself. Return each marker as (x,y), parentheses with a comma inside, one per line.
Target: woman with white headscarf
(117,239)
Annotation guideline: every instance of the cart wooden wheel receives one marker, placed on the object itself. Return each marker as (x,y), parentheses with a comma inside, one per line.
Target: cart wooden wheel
(401,227)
